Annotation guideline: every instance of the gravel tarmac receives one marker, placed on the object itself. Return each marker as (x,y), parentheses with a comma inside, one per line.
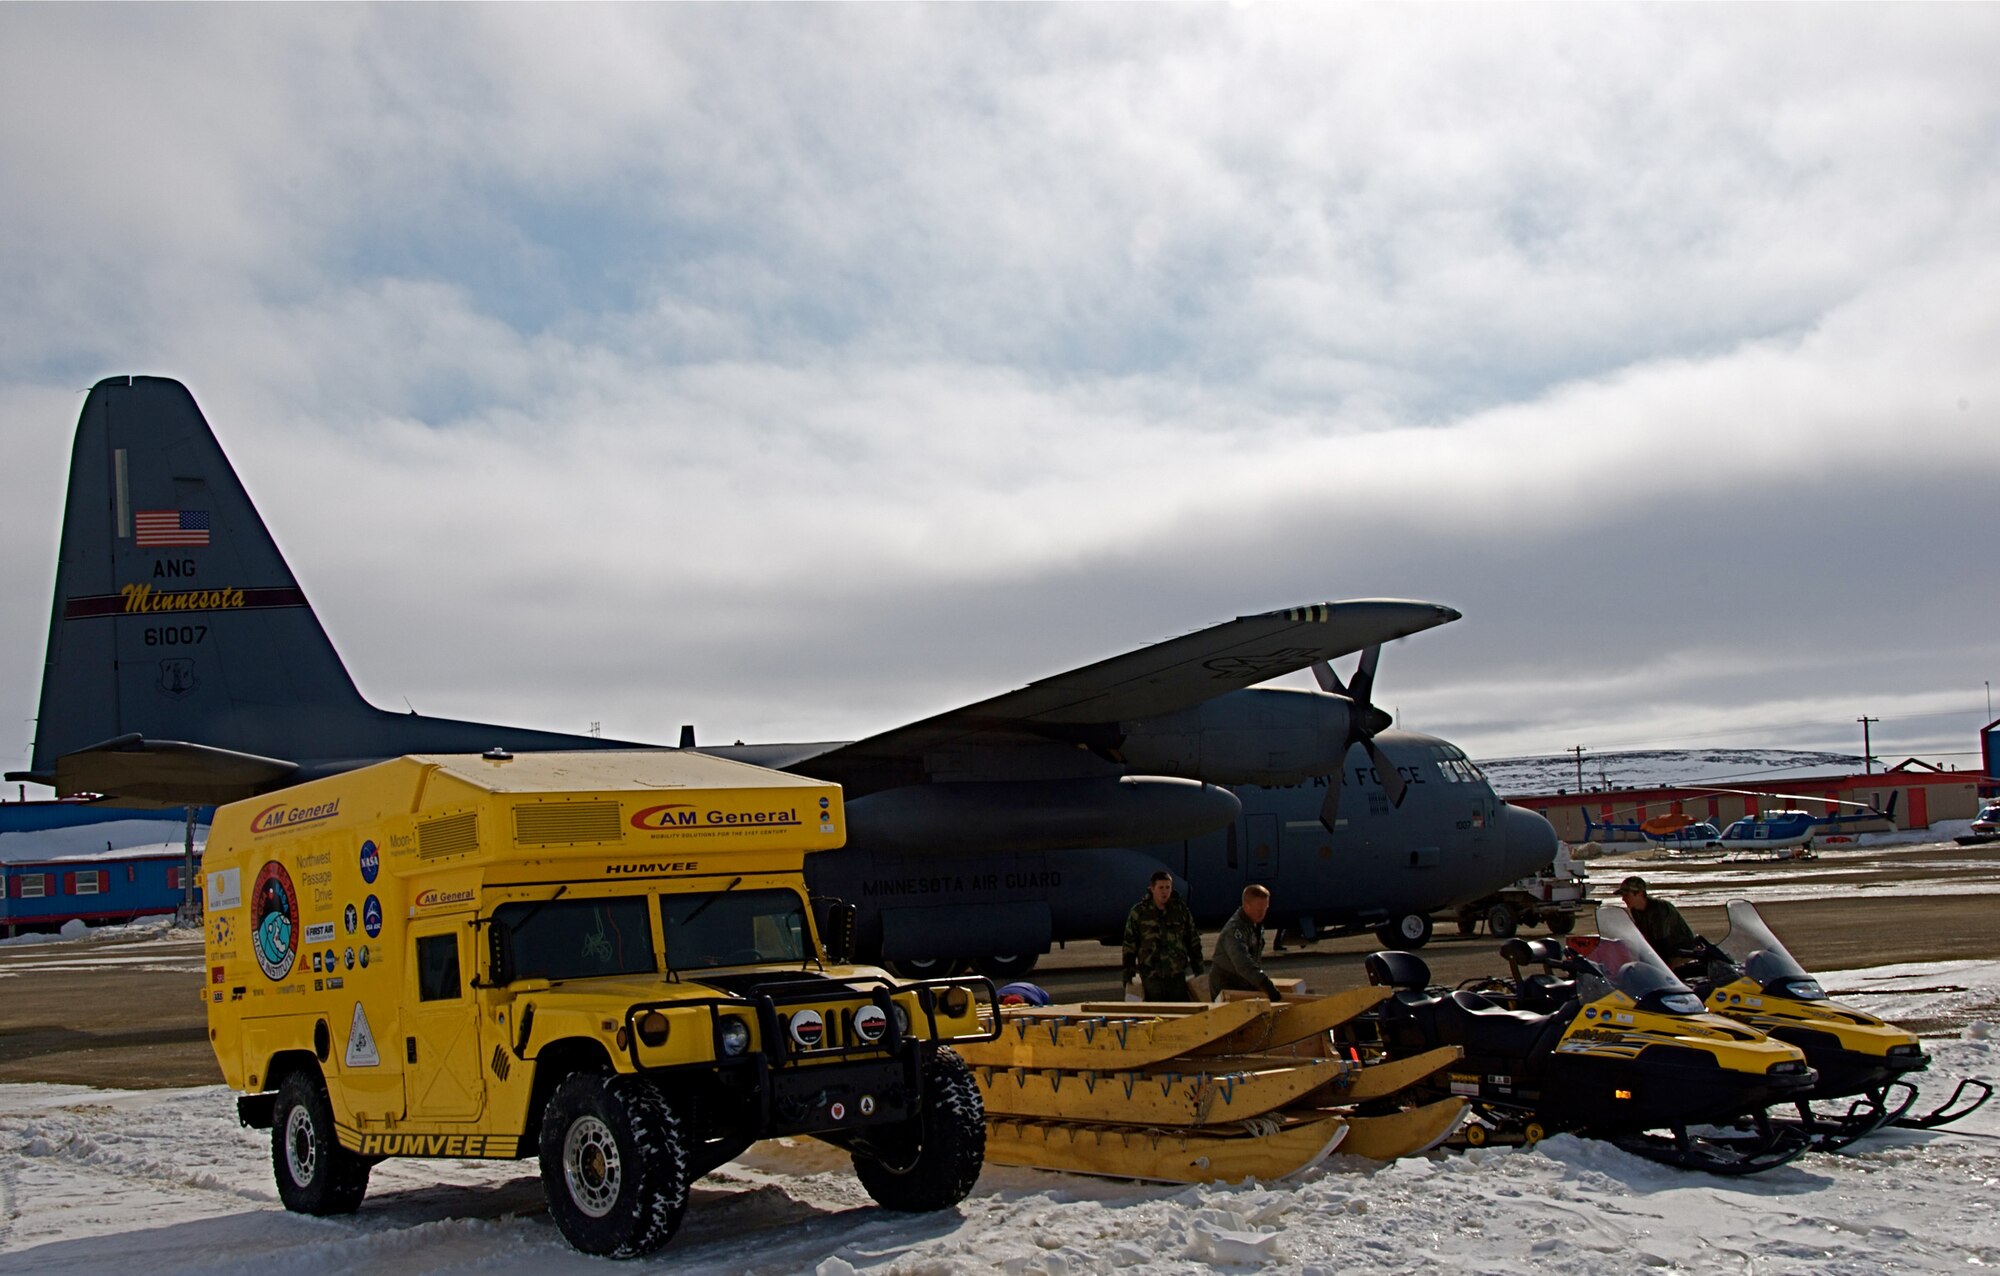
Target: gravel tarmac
(130,1015)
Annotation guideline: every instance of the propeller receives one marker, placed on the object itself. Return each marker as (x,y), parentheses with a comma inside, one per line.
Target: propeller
(1364,722)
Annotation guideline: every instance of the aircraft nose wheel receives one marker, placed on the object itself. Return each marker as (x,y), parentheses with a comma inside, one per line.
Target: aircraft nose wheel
(1408,932)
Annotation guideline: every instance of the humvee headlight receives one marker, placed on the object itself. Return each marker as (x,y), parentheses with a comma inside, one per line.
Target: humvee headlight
(734,1037)
(955,1001)
(870,1023)
(653,1028)
(902,1018)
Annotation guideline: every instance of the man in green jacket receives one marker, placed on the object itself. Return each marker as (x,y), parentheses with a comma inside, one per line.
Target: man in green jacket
(1239,949)
(1162,945)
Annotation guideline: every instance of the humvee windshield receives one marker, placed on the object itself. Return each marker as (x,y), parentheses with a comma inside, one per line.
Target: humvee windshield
(734,928)
(578,938)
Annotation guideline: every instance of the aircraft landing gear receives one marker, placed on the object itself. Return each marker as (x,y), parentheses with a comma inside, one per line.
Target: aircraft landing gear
(926,967)
(1004,967)
(1408,932)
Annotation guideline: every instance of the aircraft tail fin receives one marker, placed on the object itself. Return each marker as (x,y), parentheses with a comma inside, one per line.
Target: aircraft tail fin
(184,662)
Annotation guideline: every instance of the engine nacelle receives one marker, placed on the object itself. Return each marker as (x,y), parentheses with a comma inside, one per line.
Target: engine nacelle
(1263,735)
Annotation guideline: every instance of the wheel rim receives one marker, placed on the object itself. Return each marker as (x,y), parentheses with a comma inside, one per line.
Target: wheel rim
(590,1166)
(301,1146)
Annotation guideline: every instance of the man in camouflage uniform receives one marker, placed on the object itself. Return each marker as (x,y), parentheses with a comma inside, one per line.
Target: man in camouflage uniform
(1162,946)
(1239,949)
(1660,922)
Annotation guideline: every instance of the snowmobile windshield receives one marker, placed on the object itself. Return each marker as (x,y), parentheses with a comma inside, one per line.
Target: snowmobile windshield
(1636,970)
(1751,945)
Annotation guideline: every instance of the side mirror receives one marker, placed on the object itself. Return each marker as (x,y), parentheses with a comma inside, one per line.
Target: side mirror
(499,954)
(837,932)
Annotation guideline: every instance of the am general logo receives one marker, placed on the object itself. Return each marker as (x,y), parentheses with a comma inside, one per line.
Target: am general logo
(673,815)
(285,816)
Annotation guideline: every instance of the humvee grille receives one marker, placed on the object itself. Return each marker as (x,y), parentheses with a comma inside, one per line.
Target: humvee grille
(451,835)
(551,822)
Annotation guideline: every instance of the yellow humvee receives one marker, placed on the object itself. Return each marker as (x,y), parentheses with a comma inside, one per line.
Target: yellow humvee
(606,959)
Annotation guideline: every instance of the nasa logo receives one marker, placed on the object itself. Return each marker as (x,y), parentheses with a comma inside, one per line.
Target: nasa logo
(808,1029)
(371,862)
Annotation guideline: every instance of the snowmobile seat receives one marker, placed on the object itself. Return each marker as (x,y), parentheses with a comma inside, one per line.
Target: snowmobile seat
(1544,993)
(1549,951)
(1405,972)
(1484,1027)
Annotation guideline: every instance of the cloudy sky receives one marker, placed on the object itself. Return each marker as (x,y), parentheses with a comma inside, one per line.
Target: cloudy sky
(795,372)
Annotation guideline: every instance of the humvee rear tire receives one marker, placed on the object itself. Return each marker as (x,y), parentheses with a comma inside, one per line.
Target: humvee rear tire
(1559,923)
(930,1161)
(315,1174)
(614,1164)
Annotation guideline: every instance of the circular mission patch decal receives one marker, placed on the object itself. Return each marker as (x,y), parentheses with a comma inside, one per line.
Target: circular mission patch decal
(274,920)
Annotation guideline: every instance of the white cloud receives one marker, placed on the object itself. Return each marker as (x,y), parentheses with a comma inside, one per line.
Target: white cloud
(800,371)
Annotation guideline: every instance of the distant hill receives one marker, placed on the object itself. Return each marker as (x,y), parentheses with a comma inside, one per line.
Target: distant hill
(1655,768)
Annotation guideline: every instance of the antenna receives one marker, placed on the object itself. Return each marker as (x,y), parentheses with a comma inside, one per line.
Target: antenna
(1867,753)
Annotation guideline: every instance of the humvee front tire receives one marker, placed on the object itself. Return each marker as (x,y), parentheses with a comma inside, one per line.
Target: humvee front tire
(614,1165)
(315,1174)
(930,1161)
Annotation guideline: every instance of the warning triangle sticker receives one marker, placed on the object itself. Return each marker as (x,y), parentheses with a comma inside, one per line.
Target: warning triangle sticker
(361,1042)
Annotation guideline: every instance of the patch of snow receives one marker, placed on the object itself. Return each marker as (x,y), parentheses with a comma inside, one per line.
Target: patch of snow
(1659,768)
(167,1182)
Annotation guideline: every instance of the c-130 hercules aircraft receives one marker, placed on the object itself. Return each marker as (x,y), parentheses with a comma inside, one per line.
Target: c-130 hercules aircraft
(185,667)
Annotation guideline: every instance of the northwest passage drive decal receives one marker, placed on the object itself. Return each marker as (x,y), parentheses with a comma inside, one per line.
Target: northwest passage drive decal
(274,920)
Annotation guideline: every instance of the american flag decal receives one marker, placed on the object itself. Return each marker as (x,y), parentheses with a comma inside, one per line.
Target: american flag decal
(170,527)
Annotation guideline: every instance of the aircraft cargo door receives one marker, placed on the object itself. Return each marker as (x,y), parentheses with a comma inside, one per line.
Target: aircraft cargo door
(1263,845)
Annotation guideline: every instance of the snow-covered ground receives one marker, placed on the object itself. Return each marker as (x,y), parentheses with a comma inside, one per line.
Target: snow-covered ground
(1652,768)
(165,1182)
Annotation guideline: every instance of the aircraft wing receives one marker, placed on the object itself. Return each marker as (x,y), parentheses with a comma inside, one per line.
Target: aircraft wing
(142,772)
(1176,674)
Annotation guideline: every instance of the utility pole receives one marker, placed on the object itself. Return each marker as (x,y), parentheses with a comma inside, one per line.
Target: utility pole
(1578,751)
(1867,750)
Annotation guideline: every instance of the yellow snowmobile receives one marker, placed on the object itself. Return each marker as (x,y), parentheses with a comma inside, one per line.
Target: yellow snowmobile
(1750,977)
(1625,1053)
